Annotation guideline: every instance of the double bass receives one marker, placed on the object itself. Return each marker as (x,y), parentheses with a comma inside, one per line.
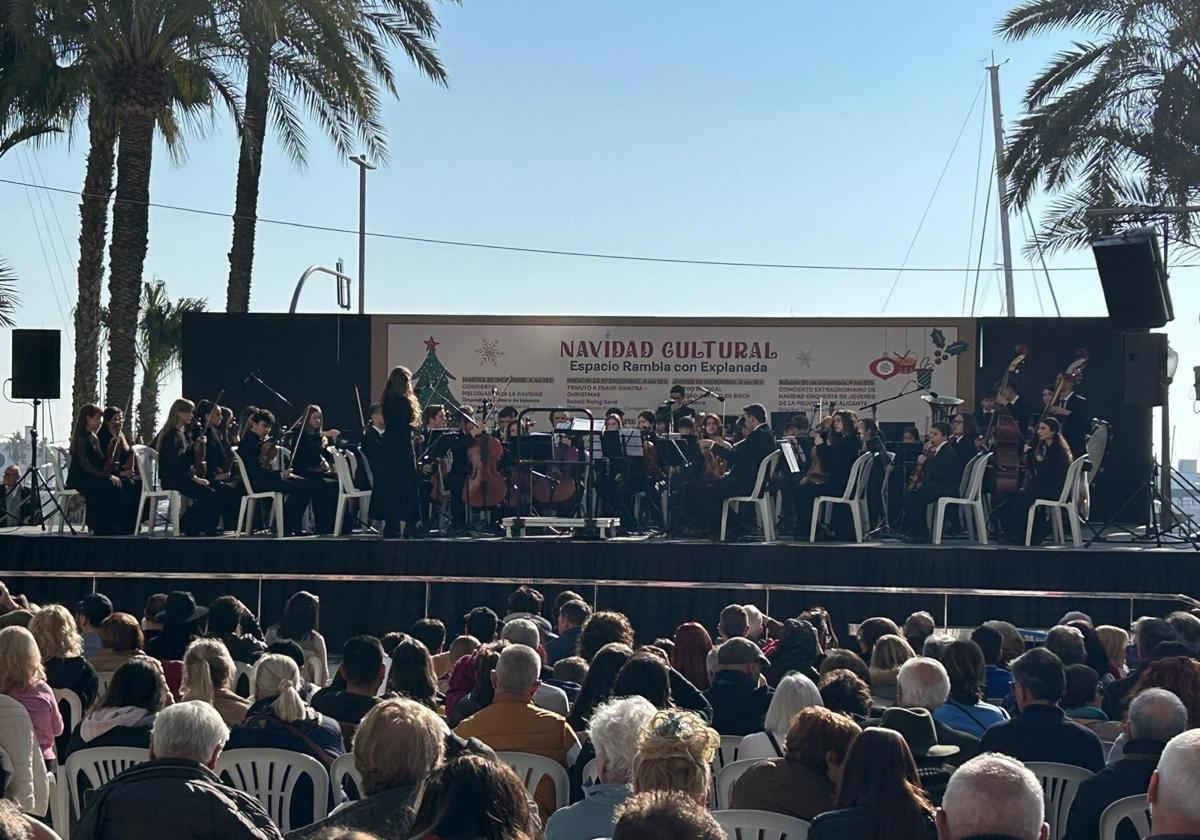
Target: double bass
(1005,432)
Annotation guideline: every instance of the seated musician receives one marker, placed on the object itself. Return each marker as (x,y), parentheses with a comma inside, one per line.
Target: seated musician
(1071,411)
(678,409)
(940,473)
(111,506)
(371,447)
(460,466)
(177,456)
(263,475)
(911,434)
(218,461)
(311,461)
(872,441)
(625,477)
(743,458)
(118,454)
(836,445)
(507,415)
(965,438)
(1047,465)
(433,418)
(983,415)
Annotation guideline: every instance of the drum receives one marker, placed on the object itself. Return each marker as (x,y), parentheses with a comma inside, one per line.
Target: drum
(1096,445)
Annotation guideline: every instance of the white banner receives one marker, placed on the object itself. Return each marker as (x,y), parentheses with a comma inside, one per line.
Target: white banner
(787,369)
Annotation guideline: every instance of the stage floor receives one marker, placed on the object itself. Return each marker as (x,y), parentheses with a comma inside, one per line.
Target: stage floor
(368,585)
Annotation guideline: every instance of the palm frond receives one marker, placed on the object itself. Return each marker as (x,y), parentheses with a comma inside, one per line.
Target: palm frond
(9,297)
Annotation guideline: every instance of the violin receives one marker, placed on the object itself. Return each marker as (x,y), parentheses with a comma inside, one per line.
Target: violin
(200,440)
(110,456)
(918,474)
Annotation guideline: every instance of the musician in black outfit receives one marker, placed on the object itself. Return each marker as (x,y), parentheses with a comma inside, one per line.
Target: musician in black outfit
(941,472)
(743,458)
(460,467)
(395,497)
(311,462)
(835,451)
(218,460)
(262,478)
(964,438)
(678,409)
(371,447)
(111,506)
(1071,411)
(1047,464)
(177,471)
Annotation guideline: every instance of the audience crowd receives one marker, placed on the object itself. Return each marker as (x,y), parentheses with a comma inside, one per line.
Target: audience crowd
(904,732)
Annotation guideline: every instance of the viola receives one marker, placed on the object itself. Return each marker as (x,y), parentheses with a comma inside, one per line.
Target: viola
(485,487)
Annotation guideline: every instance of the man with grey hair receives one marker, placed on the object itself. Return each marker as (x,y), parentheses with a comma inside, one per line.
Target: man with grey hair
(1174,806)
(613,730)
(992,796)
(522,631)
(176,793)
(923,683)
(512,723)
(1155,717)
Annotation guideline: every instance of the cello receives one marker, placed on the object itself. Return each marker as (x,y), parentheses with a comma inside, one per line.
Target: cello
(1005,432)
(485,487)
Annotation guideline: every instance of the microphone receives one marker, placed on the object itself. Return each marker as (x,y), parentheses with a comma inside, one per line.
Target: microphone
(713,394)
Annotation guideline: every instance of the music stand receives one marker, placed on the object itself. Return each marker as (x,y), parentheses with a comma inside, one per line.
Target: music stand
(791,456)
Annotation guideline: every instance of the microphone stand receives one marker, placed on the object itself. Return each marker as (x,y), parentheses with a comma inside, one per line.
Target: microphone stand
(885,529)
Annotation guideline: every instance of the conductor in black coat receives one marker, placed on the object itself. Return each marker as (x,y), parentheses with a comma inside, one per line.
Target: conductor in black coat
(744,458)
(394,499)
(941,472)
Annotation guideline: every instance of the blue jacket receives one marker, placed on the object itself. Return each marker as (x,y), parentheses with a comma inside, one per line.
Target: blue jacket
(998,682)
(592,817)
(739,705)
(974,720)
(563,646)
(1045,733)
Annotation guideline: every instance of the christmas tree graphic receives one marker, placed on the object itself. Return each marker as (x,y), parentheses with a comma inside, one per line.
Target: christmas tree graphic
(433,380)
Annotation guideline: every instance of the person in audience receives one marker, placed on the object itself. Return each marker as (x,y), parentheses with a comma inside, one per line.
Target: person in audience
(473,797)
(279,718)
(561,598)
(121,639)
(482,623)
(354,691)
(844,691)
(397,746)
(1115,641)
(23,678)
(997,678)
(482,690)
(602,628)
(645,675)
(124,715)
(922,683)
(992,796)
(412,674)
(803,782)
(1155,717)
(90,613)
(1147,634)
(598,686)
(664,815)
(444,663)
(177,793)
(871,631)
(965,709)
(1012,642)
(231,622)
(917,628)
(181,622)
(208,673)
(1174,806)
(571,618)
(935,645)
(25,781)
(879,796)
(887,655)
(155,604)
(61,647)
(796,651)
(754,623)
(571,671)
(692,644)
(794,693)
(839,658)
(733,624)
(431,633)
(1179,675)
(523,631)
(674,752)
(1187,630)
(1095,655)
(613,732)
(1082,702)
(738,694)
(1041,732)
(511,722)
(301,618)
(294,652)
(527,602)
(14,825)
(935,761)
(1067,644)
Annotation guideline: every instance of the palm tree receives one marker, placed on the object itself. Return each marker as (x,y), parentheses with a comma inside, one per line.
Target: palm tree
(160,341)
(1112,121)
(8,295)
(323,57)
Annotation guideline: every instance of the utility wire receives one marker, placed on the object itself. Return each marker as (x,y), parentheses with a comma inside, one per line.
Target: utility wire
(37,229)
(42,201)
(982,240)
(1037,242)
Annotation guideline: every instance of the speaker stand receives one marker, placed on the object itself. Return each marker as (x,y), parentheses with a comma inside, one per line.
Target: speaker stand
(36,482)
(1154,532)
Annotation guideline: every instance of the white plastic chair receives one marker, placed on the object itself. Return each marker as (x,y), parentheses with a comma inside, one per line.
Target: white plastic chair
(1060,783)
(1064,504)
(99,765)
(74,706)
(49,832)
(971,497)
(763,507)
(531,769)
(152,492)
(760,825)
(270,776)
(591,773)
(348,493)
(243,669)
(727,752)
(343,770)
(727,777)
(362,456)
(62,495)
(245,520)
(855,496)
(1136,809)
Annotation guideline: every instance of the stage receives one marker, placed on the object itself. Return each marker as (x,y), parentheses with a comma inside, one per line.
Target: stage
(368,585)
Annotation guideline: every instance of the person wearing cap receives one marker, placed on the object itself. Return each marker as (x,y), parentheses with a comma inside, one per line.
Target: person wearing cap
(89,612)
(738,694)
(920,733)
(180,619)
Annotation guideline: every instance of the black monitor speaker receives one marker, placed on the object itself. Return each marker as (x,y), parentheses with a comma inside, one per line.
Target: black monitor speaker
(35,364)
(1145,368)
(1134,280)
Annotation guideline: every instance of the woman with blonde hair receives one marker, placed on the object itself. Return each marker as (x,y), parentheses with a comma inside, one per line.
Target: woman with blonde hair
(889,653)
(1115,641)
(22,679)
(794,693)
(61,647)
(207,675)
(177,470)
(280,718)
(395,496)
(674,752)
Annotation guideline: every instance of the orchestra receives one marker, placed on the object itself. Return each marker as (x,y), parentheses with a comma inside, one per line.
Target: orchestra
(446,469)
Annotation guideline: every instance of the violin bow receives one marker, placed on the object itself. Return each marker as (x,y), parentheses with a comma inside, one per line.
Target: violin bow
(358,402)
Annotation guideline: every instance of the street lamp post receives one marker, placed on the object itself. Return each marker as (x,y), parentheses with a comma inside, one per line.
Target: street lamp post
(363,166)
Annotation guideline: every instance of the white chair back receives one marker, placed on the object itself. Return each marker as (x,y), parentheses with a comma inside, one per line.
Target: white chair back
(243,472)
(1136,809)
(760,825)
(591,772)
(1071,485)
(366,462)
(727,752)
(860,477)
(531,769)
(765,470)
(47,832)
(727,777)
(74,707)
(270,776)
(147,464)
(1060,783)
(240,670)
(99,765)
(56,468)
(975,479)
(343,771)
(342,467)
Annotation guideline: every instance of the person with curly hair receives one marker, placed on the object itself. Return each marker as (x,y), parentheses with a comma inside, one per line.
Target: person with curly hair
(846,692)
(674,753)
(61,647)
(602,628)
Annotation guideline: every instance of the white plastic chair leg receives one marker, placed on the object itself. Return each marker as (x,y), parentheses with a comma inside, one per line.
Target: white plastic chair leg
(1029,524)
(980,523)
(939,521)
(241,517)
(277,506)
(1076,535)
(174,504)
(724,514)
(816,517)
(341,515)
(1056,518)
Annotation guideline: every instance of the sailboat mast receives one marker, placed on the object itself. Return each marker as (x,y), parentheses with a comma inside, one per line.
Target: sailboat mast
(1002,191)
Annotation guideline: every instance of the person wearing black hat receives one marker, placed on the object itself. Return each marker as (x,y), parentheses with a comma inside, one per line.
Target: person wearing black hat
(181,626)
(738,694)
(89,612)
(920,733)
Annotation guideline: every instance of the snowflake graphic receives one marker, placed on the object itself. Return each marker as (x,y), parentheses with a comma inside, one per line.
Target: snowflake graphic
(805,358)
(489,352)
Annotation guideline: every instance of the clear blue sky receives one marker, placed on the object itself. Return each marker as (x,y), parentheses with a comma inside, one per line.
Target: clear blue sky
(781,132)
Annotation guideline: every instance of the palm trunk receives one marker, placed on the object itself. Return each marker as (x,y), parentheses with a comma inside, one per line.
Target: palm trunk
(147,407)
(245,211)
(93,232)
(127,254)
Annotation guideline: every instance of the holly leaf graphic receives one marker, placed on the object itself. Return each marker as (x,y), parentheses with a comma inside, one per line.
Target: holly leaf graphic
(956,348)
(937,337)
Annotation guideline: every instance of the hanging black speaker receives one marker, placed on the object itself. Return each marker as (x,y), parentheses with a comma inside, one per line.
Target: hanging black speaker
(35,364)
(1134,280)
